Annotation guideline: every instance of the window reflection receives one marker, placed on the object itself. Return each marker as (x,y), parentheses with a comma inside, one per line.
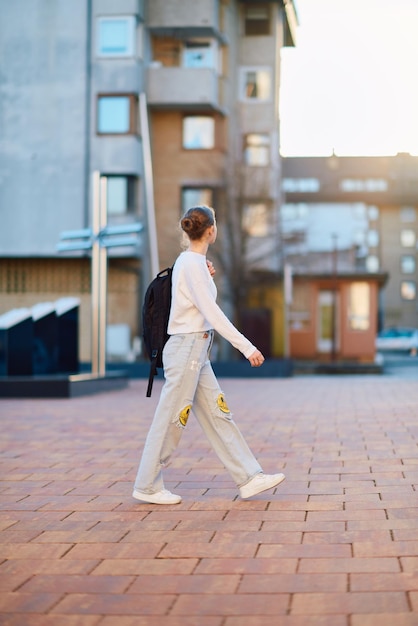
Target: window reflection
(195,196)
(359,306)
(198,132)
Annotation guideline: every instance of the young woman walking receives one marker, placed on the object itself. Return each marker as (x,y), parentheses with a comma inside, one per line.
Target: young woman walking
(189,379)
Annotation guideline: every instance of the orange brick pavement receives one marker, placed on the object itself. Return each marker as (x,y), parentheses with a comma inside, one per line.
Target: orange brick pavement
(335,545)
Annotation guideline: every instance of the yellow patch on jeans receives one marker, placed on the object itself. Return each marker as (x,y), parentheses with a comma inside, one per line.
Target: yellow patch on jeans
(184,415)
(222,404)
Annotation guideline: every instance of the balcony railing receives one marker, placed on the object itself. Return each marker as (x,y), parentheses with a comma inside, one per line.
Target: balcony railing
(200,19)
(178,87)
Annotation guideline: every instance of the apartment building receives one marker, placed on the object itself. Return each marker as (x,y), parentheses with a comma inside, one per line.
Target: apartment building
(174,102)
(349,231)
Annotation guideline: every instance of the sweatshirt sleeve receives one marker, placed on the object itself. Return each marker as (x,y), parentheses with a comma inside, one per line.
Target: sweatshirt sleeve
(204,299)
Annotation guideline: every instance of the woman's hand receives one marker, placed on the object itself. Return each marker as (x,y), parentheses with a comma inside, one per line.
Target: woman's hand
(256,359)
(211,269)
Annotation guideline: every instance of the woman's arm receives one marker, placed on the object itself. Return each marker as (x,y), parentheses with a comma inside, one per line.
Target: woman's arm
(203,298)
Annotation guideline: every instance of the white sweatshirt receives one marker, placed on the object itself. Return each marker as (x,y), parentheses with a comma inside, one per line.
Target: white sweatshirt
(193,303)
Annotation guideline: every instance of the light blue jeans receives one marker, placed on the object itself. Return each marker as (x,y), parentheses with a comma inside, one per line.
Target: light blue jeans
(191,384)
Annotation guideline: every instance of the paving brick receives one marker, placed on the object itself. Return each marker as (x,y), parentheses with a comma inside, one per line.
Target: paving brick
(394,548)
(33,551)
(261,536)
(27,602)
(19,536)
(232,604)
(52,566)
(161,536)
(288,620)
(162,620)
(312,505)
(382,619)
(73,583)
(209,550)
(347,536)
(84,536)
(305,551)
(246,565)
(12,582)
(114,604)
(136,567)
(114,551)
(31,619)
(404,511)
(347,603)
(270,515)
(222,525)
(403,581)
(177,584)
(405,534)
(349,515)
(292,583)
(348,565)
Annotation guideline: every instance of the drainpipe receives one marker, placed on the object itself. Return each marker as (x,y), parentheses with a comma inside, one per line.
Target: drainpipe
(87,115)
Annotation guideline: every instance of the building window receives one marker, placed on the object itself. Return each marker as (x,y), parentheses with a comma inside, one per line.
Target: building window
(256,220)
(408,290)
(198,53)
(372,263)
(121,194)
(373,213)
(256,149)
(408,238)
(359,211)
(299,211)
(116,36)
(408,264)
(372,238)
(257,19)
(301,185)
(359,306)
(408,214)
(255,84)
(198,132)
(196,196)
(368,184)
(116,114)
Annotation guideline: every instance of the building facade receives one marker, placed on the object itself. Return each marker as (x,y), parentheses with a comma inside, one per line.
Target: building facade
(174,102)
(352,220)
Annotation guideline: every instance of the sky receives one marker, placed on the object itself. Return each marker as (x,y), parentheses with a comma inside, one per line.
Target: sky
(351,83)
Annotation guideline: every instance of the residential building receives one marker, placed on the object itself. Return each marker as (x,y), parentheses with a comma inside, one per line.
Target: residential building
(348,222)
(179,97)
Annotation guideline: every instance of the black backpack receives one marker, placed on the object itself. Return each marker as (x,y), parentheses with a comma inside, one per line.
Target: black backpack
(155,314)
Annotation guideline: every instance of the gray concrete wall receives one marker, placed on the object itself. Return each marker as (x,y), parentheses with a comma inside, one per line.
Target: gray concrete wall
(43,48)
(117,154)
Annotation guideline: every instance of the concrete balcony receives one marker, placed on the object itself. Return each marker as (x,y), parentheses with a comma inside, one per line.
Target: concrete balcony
(184,88)
(197,18)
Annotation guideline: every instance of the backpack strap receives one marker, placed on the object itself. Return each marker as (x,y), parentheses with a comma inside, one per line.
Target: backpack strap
(152,372)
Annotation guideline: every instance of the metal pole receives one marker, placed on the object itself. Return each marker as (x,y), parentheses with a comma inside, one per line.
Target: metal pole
(149,186)
(95,286)
(102,280)
(287,297)
(334,298)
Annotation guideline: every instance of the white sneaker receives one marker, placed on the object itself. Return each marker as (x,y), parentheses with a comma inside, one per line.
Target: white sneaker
(159,497)
(260,482)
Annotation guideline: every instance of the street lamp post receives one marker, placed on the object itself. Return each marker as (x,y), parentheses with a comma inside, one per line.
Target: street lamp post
(334,297)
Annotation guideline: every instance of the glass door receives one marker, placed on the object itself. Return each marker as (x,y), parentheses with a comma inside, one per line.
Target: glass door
(326,317)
